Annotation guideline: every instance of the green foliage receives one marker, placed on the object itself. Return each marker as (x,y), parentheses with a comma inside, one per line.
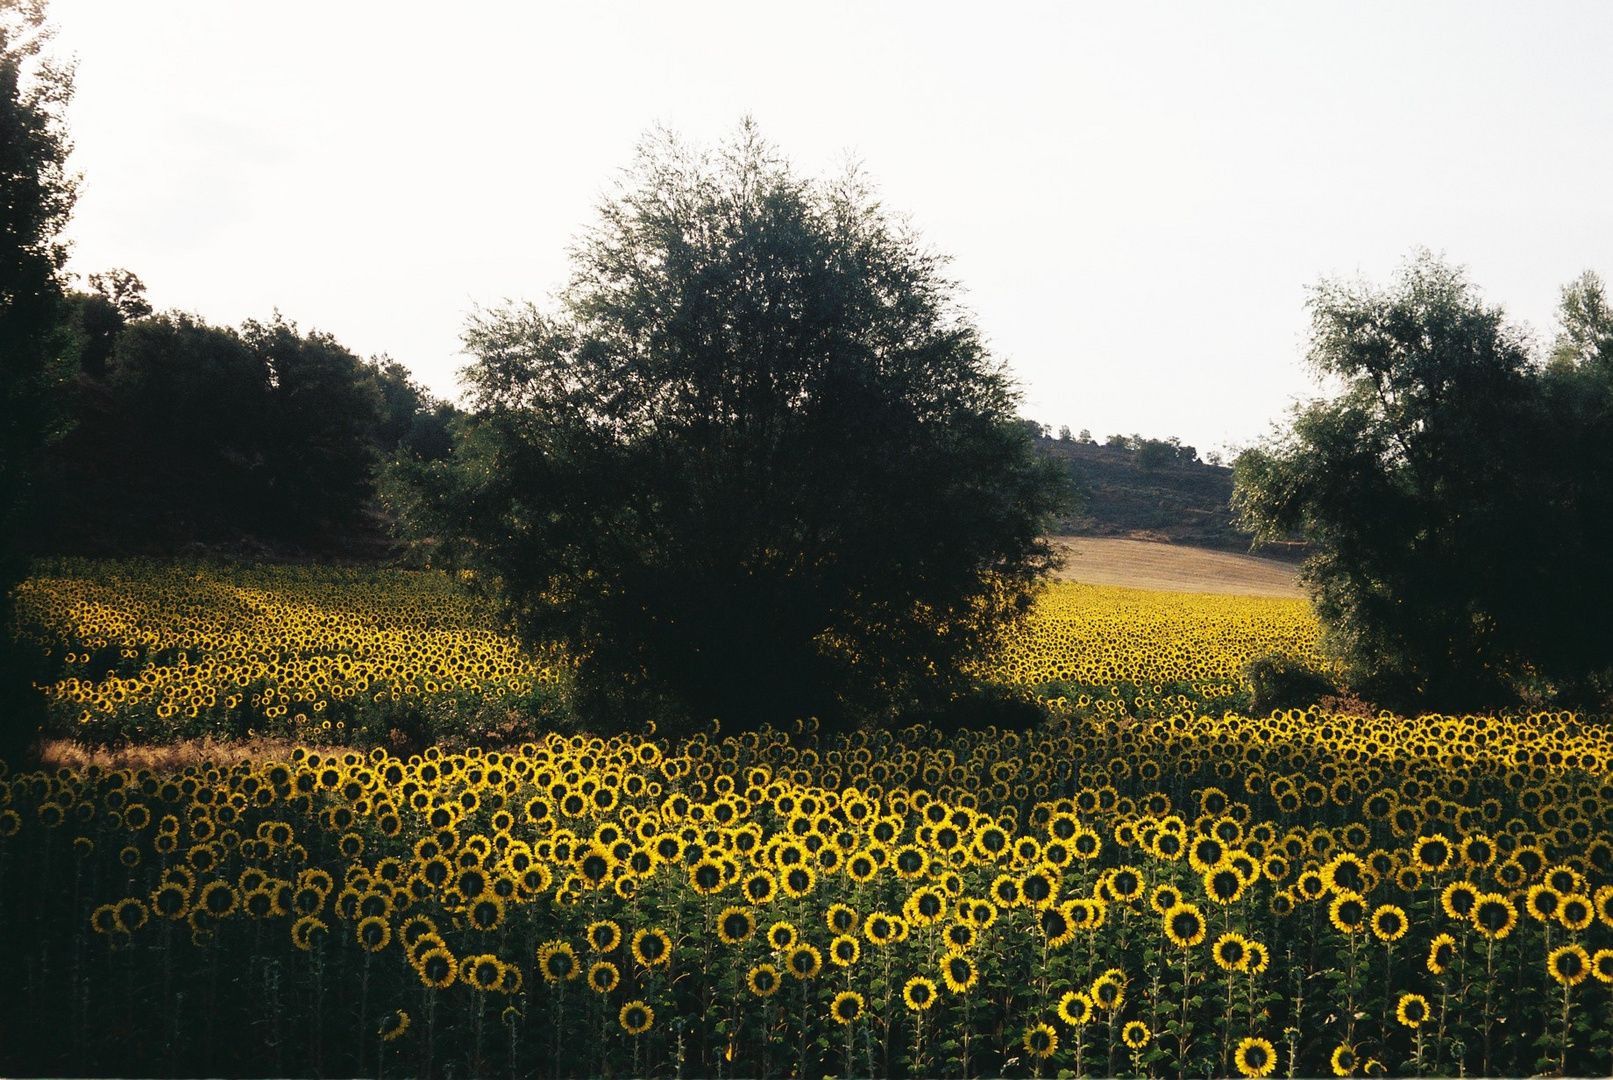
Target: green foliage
(757,464)
(36,197)
(187,433)
(1280,682)
(1455,495)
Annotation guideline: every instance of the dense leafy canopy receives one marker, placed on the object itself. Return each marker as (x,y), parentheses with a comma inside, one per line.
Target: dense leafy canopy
(1455,492)
(757,465)
(36,197)
(188,434)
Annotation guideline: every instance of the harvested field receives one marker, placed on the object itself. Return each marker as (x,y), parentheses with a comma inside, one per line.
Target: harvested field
(1140,564)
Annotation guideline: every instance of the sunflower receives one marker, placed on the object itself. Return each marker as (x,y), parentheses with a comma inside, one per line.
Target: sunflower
(760,887)
(1075,1008)
(484,973)
(1458,899)
(706,876)
(652,947)
(1223,884)
(844,951)
(879,928)
(841,919)
(861,867)
(804,961)
(1412,1010)
(918,993)
(781,936)
(798,881)
(847,1007)
(1184,925)
(1441,953)
(1602,965)
(763,980)
(1569,964)
(735,924)
(1343,1060)
(1005,891)
(1432,853)
(308,932)
(373,933)
(393,1025)
(1231,952)
(603,936)
(1040,1041)
(1389,923)
(1126,882)
(1255,1057)
(1164,898)
(636,1017)
(1135,1034)
(1109,990)
(925,906)
(1040,887)
(1542,903)
(1576,912)
(958,972)
(557,961)
(603,976)
(1347,913)
(437,968)
(1493,915)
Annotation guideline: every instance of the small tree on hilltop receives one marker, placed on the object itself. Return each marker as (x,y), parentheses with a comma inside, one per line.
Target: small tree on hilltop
(757,467)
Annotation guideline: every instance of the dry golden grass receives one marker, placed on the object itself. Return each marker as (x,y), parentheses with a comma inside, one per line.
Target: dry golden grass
(1140,564)
(167,757)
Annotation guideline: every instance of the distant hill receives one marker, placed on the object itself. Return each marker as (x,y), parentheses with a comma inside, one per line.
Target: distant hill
(1152,489)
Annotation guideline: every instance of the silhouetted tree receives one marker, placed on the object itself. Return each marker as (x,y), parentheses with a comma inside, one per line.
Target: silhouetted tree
(1455,494)
(36,197)
(757,466)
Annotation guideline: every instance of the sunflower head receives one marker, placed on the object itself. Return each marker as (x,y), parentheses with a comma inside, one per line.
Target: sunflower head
(847,1007)
(763,980)
(1184,925)
(1412,1010)
(1569,964)
(1075,1008)
(1255,1057)
(1040,1041)
(918,993)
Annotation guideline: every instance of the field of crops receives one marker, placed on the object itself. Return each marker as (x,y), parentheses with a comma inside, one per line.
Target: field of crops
(1135,888)
(145,651)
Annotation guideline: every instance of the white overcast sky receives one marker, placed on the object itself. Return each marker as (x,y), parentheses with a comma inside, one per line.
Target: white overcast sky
(1135,195)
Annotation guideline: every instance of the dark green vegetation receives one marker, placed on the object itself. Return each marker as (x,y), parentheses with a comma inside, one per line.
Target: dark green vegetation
(36,196)
(755,466)
(1457,494)
(258,440)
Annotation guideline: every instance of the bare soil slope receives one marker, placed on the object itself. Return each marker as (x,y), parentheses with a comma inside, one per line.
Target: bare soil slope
(1139,564)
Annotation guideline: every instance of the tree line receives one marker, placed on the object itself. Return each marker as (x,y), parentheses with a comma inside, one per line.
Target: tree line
(181,434)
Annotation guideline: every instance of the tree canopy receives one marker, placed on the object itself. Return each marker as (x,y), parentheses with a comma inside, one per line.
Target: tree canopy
(36,197)
(185,433)
(1455,492)
(756,465)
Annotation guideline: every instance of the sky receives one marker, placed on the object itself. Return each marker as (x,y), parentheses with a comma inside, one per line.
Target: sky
(1134,197)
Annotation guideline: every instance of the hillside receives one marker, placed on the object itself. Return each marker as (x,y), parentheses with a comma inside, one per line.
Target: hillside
(1151,493)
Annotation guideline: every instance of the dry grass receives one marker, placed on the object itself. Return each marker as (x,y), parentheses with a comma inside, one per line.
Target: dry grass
(1140,564)
(166,758)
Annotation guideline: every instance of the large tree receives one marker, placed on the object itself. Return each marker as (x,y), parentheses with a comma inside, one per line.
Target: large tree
(36,197)
(1455,493)
(757,464)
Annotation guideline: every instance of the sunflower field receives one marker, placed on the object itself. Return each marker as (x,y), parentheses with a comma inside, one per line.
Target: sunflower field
(1134,888)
